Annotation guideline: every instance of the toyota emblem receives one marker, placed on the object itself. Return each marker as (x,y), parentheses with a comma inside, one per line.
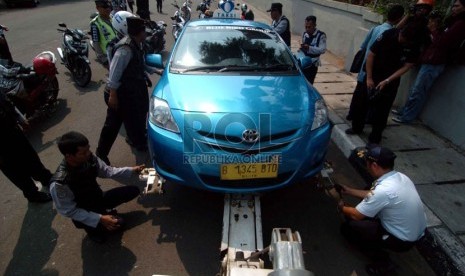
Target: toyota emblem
(250,136)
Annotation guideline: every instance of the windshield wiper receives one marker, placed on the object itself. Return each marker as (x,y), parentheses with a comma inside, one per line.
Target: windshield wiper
(202,68)
(278,67)
(239,68)
(274,67)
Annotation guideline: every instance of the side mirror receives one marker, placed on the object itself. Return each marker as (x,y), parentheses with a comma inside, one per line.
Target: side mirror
(154,60)
(303,60)
(63,25)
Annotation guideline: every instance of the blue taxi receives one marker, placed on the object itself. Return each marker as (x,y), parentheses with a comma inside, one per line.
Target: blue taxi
(233,113)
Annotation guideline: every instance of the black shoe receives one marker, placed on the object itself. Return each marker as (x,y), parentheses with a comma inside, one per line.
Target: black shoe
(351,131)
(142,148)
(39,197)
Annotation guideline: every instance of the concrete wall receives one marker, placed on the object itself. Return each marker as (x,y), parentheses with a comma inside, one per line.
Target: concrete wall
(445,109)
(347,25)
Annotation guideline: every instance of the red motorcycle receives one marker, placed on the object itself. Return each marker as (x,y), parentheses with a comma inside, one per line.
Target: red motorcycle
(32,89)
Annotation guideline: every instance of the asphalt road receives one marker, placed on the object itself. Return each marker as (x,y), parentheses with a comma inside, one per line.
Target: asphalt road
(175,234)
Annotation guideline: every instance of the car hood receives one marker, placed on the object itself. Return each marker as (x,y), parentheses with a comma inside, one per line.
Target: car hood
(237,93)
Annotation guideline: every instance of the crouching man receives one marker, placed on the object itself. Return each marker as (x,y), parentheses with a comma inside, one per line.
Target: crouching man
(77,194)
(390,215)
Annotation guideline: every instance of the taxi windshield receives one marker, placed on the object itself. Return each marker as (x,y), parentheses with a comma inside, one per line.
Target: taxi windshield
(230,48)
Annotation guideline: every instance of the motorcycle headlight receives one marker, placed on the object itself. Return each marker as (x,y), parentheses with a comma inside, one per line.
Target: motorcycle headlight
(160,115)
(321,114)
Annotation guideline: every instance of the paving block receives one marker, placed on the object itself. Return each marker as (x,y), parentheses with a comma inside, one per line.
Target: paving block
(406,137)
(335,88)
(448,204)
(338,101)
(432,166)
(333,77)
(328,68)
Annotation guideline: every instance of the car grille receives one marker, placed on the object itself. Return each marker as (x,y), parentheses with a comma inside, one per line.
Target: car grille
(234,144)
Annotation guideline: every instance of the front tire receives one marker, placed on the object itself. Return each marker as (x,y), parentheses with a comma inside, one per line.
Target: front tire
(82,72)
(51,94)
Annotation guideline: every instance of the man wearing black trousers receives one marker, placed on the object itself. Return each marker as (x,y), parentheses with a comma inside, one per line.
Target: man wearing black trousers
(77,194)
(392,55)
(18,159)
(143,9)
(160,6)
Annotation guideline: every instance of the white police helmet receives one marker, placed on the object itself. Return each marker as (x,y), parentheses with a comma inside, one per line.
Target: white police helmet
(119,22)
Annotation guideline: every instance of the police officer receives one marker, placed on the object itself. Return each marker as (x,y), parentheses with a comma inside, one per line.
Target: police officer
(280,22)
(127,83)
(18,159)
(313,45)
(390,215)
(101,30)
(113,120)
(77,194)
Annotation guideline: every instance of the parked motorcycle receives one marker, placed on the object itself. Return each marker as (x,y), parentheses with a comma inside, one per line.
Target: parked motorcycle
(32,89)
(155,41)
(180,17)
(74,54)
(203,7)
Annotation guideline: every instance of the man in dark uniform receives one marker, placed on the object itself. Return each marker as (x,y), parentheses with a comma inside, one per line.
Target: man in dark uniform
(392,55)
(18,159)
(313,45)
(77,194)
(280,22)
(128,99)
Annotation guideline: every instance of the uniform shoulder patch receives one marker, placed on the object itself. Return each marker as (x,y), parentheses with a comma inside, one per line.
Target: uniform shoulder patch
(368,196)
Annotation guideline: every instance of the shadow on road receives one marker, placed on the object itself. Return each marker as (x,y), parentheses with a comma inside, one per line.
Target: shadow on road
(112,257)
(36,243)
(193,220)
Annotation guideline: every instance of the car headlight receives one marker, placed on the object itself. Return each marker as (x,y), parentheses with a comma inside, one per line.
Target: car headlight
(321,114)
(160,115)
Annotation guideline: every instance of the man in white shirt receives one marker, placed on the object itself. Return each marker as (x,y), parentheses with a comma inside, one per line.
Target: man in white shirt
(391,214)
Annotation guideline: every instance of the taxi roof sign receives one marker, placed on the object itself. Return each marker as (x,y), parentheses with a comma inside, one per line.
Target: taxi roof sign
(226,9)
